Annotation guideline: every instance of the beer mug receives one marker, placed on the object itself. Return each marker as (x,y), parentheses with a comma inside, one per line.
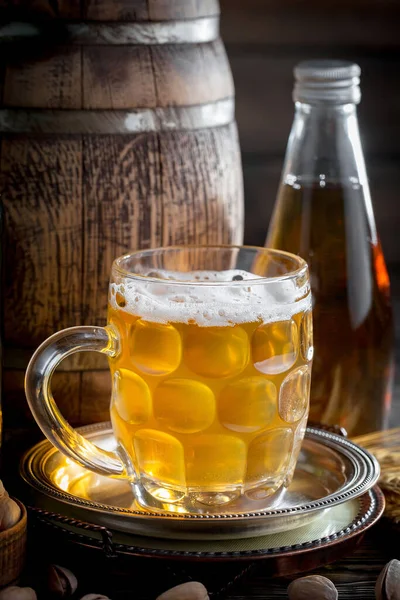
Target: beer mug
(210,352)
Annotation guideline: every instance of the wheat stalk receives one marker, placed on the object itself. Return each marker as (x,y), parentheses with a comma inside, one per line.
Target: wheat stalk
(385,446)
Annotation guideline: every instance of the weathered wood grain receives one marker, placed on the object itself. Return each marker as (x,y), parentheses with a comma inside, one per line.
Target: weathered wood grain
(74,198)
(52,82)
(122,202)
(41,185)
(153,10)
(110,10)
(182,9)
(118,77)
(187,75)
(207,155)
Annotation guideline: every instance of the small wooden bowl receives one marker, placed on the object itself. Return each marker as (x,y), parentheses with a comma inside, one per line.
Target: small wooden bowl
(13,549)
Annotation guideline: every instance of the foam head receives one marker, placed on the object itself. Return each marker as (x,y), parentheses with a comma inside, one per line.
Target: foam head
(210,298)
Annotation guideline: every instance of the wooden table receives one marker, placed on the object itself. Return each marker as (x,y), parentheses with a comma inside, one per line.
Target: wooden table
(354,576)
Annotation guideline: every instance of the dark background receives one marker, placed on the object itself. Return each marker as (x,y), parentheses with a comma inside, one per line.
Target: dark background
(264,40)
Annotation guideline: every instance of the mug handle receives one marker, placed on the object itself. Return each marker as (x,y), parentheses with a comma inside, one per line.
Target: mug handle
(47,414)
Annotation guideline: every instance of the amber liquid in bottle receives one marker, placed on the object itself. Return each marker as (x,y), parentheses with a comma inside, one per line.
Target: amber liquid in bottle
(330,226)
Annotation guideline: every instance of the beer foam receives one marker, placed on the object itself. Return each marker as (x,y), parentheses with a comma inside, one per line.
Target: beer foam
(209,305)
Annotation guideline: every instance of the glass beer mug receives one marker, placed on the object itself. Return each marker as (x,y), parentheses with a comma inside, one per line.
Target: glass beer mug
(210,351)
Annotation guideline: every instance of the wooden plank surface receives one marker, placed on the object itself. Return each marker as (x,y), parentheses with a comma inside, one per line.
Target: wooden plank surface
(147,170)
(160,10)
(167,75)
(191,74)
(354,575)
(220,198)
(122,184)
(52,82)
(111,10)
(153,10)
(40,180)
(369,23)
(119,77)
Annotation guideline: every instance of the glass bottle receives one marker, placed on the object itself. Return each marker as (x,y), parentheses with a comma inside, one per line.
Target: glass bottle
(323,212)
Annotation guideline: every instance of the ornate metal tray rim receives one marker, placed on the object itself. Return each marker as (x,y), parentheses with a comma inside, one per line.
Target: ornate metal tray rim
(332,440)
(372,505)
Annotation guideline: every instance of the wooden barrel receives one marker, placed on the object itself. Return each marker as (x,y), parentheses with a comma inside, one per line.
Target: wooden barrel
(117,133)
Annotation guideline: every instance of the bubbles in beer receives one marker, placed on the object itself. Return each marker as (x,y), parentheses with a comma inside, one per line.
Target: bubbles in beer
(184,405)
(248,405)
(216,352)
(274,347)
(306,336)
(294,394)
(155,349)
(226,304)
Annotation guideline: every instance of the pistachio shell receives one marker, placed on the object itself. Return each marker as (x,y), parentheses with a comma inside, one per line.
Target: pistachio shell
(18,593)
(95,597)
(61,582)
(10,512)
(193,590)
(380,582)
(313,587)
(391,587)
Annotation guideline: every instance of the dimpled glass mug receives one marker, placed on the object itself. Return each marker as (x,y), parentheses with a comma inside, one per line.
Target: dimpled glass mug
(210,351)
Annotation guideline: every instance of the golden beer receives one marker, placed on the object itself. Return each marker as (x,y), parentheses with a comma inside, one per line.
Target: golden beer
(211,383)
(353,322)
(210,350)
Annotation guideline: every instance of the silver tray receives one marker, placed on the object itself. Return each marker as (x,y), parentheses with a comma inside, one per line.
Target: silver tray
(320,542)
(330,470)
